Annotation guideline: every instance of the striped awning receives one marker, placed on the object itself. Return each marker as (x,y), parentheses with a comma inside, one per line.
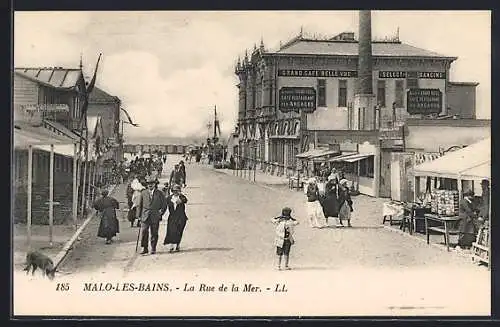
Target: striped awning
(350,157)
(315,153)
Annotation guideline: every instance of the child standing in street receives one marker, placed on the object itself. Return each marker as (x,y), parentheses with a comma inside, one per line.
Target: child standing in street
(284,236)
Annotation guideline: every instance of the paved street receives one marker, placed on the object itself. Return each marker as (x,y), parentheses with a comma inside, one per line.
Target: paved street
(229,227)
(229,237)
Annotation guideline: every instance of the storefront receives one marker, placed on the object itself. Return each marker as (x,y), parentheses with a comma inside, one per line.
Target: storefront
(451,176)
(311,161)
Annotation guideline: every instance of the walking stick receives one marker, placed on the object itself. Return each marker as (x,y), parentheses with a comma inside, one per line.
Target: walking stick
(138,237)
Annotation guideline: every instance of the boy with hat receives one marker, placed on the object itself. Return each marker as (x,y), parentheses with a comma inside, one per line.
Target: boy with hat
(284,235)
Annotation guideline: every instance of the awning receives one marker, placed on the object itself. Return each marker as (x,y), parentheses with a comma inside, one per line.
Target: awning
(357,157)
(23,139)
(316,153)
(483,171)
(62,149)
(467,161)
(351,157)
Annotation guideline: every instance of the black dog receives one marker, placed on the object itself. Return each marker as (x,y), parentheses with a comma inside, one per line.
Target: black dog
(36,260)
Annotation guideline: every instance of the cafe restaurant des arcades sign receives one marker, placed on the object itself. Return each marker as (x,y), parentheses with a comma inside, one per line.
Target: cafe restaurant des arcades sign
(297,99)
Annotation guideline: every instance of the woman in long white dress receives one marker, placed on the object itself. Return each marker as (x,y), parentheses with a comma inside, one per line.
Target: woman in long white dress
(314,209)
(136,199)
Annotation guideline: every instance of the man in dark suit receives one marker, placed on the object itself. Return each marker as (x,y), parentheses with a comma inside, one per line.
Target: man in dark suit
(152,207)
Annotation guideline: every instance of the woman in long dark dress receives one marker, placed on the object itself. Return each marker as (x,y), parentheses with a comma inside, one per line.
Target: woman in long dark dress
(176,204)
(345,203)
(330,202)
(109,225)
(468,224)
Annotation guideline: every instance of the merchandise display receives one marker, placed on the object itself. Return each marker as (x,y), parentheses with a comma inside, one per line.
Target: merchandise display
(444,202)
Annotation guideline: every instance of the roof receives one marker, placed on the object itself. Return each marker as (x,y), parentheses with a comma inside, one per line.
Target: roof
(460,164)
(58,77)
(98,95)
(342,48)
(60,127)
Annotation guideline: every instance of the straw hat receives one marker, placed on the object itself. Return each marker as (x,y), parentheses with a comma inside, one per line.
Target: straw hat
(311,180)
(176,187)
(343,181)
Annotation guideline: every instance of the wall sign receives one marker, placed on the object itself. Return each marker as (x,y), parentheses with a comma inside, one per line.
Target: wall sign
(317,73)
(395,133)
(403,74)
(297,99)
(424,101)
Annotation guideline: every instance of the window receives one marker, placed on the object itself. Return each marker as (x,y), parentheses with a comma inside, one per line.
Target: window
(381,93)
(321,93)
(412,83)
(342,93)
(366,167)
(399,92)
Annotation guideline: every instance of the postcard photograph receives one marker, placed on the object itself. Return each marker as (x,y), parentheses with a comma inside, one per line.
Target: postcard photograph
(251,163)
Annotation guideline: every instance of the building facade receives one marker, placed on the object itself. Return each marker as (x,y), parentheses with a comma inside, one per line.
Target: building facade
(302,96)
(47,105)
(107,108)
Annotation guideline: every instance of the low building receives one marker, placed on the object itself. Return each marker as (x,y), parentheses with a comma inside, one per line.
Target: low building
(47,106)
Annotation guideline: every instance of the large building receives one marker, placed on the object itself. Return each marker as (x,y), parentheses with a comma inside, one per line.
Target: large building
(302,98)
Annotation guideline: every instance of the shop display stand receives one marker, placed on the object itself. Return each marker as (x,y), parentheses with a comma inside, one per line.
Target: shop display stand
(480,248)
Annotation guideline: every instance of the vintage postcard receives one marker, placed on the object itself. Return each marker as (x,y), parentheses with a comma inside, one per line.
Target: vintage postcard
(260,163)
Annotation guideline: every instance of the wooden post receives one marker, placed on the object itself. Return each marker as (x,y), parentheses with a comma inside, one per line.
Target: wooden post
(94,182)
(51,195)
(30,186)
(75,186)
(83,188)
(416,187)
(91,169)
(254,162)
(489,232)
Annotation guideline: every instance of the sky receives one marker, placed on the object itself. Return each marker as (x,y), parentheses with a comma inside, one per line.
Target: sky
(170,68)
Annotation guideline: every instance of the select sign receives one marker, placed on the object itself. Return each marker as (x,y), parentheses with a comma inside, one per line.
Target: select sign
(297,99)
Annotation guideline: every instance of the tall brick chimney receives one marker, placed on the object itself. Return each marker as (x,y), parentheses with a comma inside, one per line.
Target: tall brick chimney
(365,78)
(364,99)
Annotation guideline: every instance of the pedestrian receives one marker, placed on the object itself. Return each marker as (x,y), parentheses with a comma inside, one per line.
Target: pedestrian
(177,218)
(334,175)
(345,203)
(176,176)
(468,224)
(137,186)
(151,209)
(109,225)
(284,236)
(314,209)
(182,169)
(484,212)
(330,200)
